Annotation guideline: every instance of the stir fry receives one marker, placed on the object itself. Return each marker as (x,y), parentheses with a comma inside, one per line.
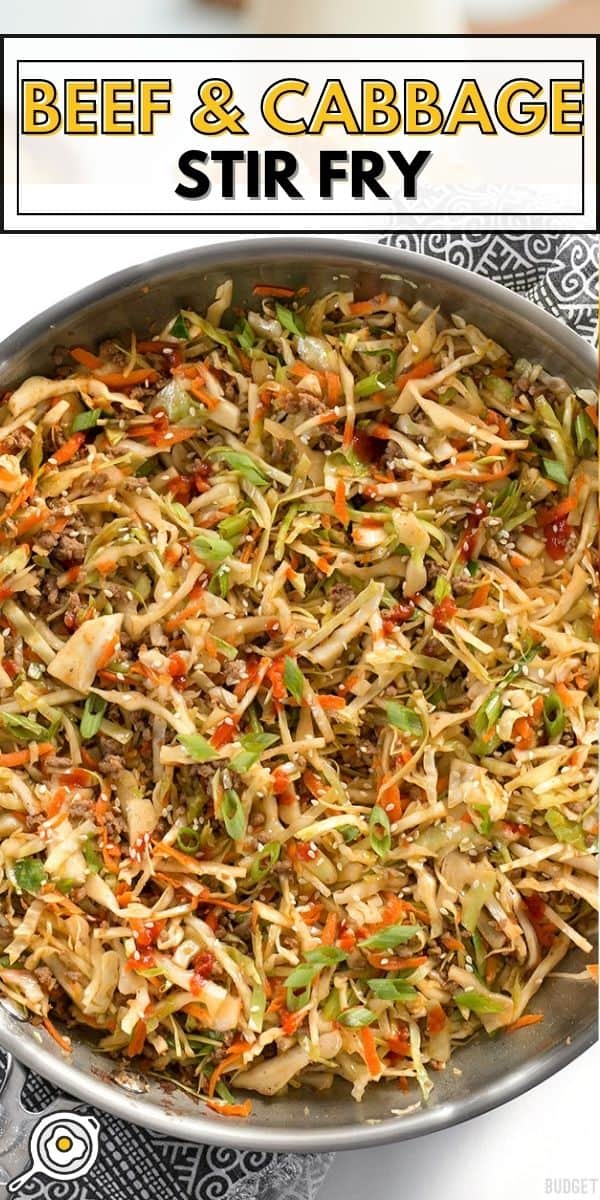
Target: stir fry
(298,692)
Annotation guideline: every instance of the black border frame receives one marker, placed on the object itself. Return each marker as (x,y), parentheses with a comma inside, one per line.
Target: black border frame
(595,228)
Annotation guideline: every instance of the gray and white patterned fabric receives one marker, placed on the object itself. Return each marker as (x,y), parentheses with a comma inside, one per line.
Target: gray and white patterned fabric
(559,272)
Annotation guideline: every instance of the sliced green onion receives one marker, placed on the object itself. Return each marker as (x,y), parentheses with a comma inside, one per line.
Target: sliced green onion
(233,815)
(234,526)
(357,1018)
(585,435)
(24,729)
(325,956)
(245,335)
(197,746)
(332,1006)
(350,833)
(442,588)
(298,985)
(404,718)
(93,714)
(243,464)
(369,385)
(211,547)
(392,989)
(380,835)
(289,320)
(86,420)
(264,861)
(293,679)
(487,714)
(476,1002)
(258,1003)
(92,855)
(570,832)
(554,715)
(179,329)
(188,839)
(29,874)
(555,470)
(390,937)
(253,745)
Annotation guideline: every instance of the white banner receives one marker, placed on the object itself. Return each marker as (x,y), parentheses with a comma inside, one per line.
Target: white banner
(346,134)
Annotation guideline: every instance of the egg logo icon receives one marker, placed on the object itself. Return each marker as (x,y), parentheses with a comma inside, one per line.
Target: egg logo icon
(63,1145)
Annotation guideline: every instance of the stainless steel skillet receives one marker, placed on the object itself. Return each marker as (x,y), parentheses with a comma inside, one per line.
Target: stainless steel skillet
(492,1070)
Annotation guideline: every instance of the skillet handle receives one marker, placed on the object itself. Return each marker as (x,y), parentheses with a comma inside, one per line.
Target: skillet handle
(17,1126)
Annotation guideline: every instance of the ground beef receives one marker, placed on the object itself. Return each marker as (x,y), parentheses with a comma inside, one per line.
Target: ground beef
(111,759)
(81,808)
(340,595)
(301,402)
(283,454)
(45,979)
(111,350)
(46,540)
(33,821)
(72,610)
(17,441)
(390,460)
(234,672)
(69,551)
(147,392)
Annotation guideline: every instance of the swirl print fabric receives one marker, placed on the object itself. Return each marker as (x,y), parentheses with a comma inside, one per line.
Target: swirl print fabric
(559,273)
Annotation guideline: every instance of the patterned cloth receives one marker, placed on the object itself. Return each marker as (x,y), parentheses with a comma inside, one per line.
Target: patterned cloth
(558,272)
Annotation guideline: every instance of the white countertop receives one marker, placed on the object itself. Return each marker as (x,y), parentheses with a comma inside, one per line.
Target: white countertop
(509,1154)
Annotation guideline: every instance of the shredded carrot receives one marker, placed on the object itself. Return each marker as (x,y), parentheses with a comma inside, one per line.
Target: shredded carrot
(19,758)
(235,1051)
(524,733)
(548,515)
(329,702)
(68,450)
(18,500)
(419,371)
(436,1019)
(63,1042)
(108,652)
(197,1011)
(526,1019)
(313,783)
(340,506)
(369,1052)
(364,308)
(32,519)
(191,609)
(390,799)
(230,1110)
(452,943)
(201,393)
(334,386)
(592,969)
(116,380)
(86,358)
(273,289)
(564,694)
(329,933)
(592,413)
(291,1021)
(479,596)
(138,1037)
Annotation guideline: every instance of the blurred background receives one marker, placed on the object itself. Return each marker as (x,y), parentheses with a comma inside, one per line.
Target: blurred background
(308,16)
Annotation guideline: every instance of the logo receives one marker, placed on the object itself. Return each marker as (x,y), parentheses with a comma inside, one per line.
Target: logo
(63,1145)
